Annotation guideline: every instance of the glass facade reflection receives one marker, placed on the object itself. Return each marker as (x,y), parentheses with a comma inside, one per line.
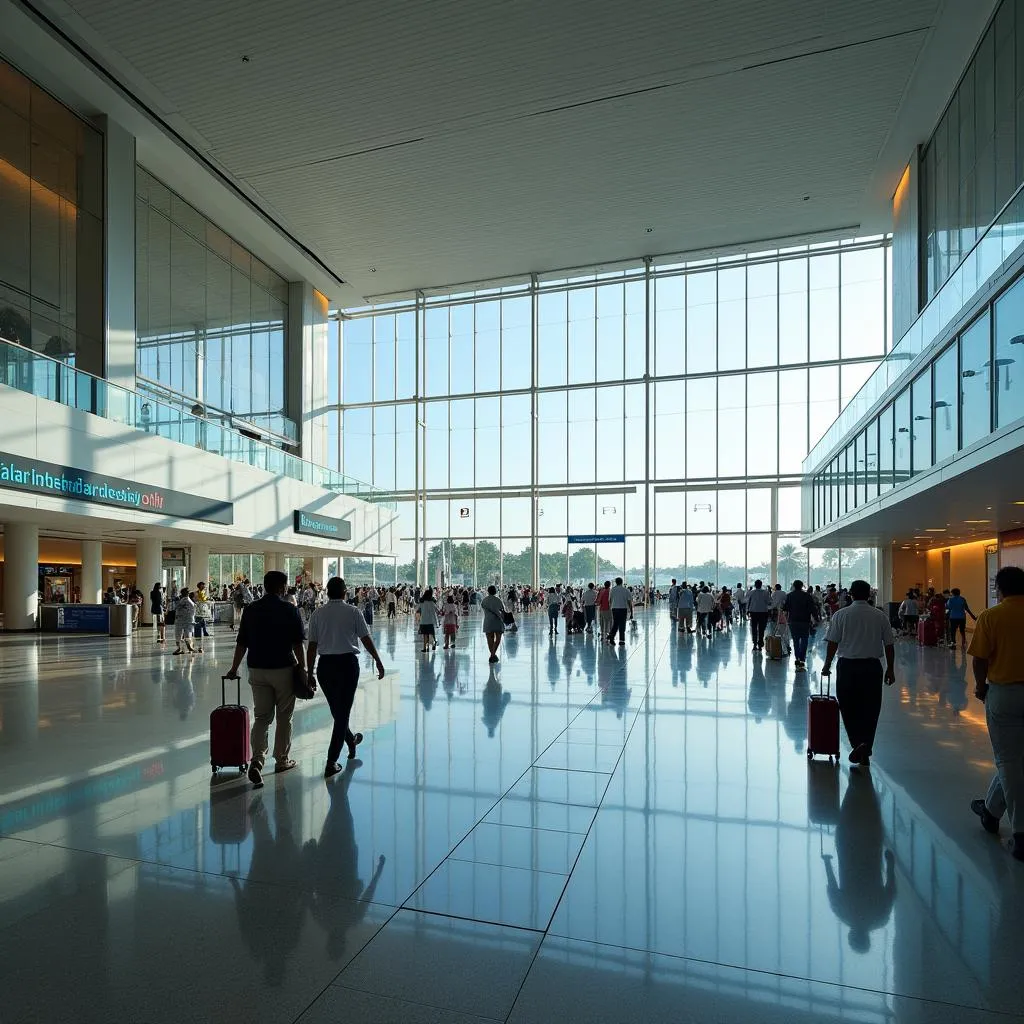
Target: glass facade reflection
(975,159)
(971,387)
(671,404)
(51,226)
(211,317)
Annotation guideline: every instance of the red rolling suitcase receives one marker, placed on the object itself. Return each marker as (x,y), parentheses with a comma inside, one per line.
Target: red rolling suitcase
(927,633)
(823,725)
(229,733)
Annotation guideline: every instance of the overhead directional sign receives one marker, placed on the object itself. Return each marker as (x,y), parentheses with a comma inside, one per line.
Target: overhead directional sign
(597,538)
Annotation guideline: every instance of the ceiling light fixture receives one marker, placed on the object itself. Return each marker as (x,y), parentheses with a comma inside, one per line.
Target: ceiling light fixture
(934,529)
(977,520)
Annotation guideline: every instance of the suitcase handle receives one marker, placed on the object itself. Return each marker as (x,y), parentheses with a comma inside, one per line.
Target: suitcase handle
(223,682)
(821,684)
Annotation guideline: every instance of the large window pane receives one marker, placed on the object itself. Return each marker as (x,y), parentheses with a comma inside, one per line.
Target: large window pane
(701,322)
(921,406)
(1008,384)
(975,375)
(903,436)
(945,406)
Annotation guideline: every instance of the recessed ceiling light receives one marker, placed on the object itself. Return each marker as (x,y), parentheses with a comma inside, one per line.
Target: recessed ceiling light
(649,231)
(977,521)
(934,529)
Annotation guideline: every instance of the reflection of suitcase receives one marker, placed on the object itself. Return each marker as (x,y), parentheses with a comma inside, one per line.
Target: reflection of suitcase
(773,646)
(822,794)
(823,724)
(229,733)
(927,633)
(578,621)
(229,815)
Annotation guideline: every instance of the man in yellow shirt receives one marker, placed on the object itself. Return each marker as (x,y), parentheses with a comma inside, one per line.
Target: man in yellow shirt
(997,651)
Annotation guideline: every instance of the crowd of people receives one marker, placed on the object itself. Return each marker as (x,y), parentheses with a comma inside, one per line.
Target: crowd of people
(935,617)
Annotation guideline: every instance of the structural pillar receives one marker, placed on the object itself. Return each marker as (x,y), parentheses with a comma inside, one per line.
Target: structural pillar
(21,576)
(92,572)
(273,561)
(149,568)
(198,564)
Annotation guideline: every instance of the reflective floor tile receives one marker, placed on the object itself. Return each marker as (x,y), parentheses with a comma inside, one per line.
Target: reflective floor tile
(580,756)
(445,962)
(154,939)
(556,785)
(487,892)
(341,1005)
(520,810)
(580,981)
(511,846)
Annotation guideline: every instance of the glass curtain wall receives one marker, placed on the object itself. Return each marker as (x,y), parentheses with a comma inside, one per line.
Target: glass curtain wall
(211,317)
(51,228)
(649,422)
(974,161)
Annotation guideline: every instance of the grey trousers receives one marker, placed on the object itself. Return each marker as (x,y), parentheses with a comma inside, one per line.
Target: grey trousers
(1004,713)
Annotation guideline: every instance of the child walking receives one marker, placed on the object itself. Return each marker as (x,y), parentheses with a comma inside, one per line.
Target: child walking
(451,622)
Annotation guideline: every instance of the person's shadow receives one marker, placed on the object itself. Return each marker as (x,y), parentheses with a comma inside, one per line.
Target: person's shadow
(270,913)
(618,691)
(588,658)
(426,681)
(796,712)
(554,669)
(493,701)
(339,898)
(863,890)
(759,701)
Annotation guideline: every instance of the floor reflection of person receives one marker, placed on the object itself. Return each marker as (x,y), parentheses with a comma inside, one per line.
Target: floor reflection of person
(758,700)
(554,669)
(796,713)
(494,702)
(426,681)
(339,899)
(618,693)
(863,893)
(270,915)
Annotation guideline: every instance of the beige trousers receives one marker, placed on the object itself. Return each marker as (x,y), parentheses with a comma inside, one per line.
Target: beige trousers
(272,691)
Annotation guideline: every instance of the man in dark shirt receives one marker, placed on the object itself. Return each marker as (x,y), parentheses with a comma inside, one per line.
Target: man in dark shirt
(801,611)
(271,631)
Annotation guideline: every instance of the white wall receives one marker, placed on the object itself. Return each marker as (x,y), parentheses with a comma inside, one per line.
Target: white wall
(263,503)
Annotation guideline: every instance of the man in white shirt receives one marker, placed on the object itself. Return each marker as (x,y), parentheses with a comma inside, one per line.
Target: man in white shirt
(673,600)
(621,606)
(759,605)
(590,606)
(336,630)
(778,600)
(859,634)
(739,596)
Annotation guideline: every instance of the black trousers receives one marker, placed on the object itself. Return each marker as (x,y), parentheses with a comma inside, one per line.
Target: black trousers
(338,675)
(758,620)
(618,624)
(859,691)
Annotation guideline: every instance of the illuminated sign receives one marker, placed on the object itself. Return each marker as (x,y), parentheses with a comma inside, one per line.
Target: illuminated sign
(597,538)
(21,474)
(322,526)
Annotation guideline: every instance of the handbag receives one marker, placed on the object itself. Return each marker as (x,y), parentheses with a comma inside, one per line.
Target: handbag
(303,684)
(169,618)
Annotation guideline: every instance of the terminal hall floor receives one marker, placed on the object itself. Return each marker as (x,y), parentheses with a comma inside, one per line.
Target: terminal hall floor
(581,833)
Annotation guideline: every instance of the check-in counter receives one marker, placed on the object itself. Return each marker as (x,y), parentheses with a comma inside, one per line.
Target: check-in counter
(76,618)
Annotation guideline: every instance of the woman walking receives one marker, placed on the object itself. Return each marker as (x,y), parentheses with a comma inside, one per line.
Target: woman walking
(427,611)
(156,607)
(494,621)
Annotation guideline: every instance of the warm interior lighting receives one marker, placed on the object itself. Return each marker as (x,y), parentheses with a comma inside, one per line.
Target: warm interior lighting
(977,520)
(934,529)
(20,180)
(900,195)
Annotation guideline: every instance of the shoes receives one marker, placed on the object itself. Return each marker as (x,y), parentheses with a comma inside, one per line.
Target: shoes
(622,643)
(493,658)
(356,740)
(286,765)
(989,822)
(860,754)
(255,776)
(332,769)
(800,666)
(179,651)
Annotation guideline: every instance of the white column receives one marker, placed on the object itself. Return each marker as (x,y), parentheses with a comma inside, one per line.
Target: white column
(21,576)
(198,564)
(92,571)
(149,566)
(273,561)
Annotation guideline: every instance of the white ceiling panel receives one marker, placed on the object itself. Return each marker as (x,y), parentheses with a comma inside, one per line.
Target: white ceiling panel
(460,140)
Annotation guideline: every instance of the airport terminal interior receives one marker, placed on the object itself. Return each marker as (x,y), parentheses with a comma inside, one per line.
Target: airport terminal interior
(516,296)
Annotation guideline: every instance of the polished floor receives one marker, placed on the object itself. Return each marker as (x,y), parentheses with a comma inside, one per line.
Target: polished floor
(581,833)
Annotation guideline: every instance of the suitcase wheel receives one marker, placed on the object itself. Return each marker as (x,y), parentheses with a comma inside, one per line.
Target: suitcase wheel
(213,768)
(243,768)
(810,754)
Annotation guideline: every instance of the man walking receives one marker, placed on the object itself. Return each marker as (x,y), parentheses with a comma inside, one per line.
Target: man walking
(621,606)
(859,633)
(336,630)
(673,600)
(759,604)
(684,609)
(590,606)
(801,611)
(997,653)
(739,596)
(604,609)
(271,631)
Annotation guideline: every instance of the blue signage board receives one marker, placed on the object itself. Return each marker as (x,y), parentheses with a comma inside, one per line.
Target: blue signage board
(322,526)
(83,618)
(597,538)
(53,481)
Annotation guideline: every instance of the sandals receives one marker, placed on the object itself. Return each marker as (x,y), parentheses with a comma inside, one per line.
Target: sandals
(283,766)
(356,740)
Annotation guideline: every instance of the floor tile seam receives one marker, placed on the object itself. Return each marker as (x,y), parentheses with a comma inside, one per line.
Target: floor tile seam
(513,867)
(781,974)
(473,920)
(579,771)
(202,871)
(333,981)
